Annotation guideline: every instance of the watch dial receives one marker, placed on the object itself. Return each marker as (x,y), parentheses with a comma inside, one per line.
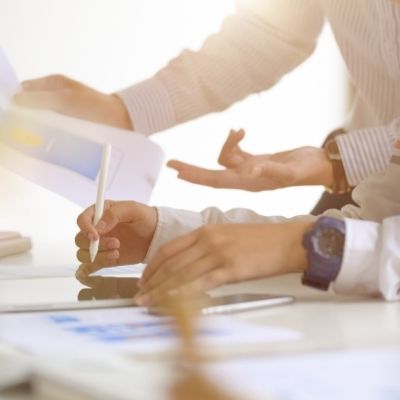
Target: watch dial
(331,243)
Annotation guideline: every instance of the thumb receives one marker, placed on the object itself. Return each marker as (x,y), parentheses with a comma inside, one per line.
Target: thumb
(120,212)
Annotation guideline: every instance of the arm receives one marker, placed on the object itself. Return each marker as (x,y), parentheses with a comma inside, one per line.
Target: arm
(363,153)
(253,50)
(367,151)
(371,259)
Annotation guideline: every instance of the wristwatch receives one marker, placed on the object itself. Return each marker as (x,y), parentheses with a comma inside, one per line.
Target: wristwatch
(340,184)
(324,244)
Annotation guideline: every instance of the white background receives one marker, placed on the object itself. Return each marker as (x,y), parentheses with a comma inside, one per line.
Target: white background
(112,44)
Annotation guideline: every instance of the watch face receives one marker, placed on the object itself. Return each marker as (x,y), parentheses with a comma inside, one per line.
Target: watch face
(330,243)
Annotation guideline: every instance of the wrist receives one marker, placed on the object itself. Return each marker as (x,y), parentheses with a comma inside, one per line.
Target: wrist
(327,175)
(120,113)
(294,254)
(339,183)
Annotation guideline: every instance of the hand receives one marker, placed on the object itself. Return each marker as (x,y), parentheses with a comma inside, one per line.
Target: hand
(219,254)
(125,231)
(301,166)
(69,97)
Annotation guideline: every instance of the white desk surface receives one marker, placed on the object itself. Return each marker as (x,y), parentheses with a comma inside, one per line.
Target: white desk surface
(326,321)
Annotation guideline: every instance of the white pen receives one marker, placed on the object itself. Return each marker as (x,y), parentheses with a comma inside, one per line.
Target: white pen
(101,188)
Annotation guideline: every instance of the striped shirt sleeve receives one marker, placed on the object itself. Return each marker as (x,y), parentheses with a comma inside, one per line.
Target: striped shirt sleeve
(254,48)
(367,151)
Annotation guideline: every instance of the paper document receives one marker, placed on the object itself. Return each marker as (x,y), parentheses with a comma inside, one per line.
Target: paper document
(63,154)
(368,374)
(128,330)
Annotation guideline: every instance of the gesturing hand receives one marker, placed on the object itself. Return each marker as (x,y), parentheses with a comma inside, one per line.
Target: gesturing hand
(66,96)
(218,254)
(125,230)
(300,166)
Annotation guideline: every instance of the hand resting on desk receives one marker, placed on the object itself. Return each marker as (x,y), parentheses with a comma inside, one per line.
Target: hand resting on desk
(201,260)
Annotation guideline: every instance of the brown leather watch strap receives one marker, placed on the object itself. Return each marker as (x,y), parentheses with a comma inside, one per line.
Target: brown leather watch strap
(340,184)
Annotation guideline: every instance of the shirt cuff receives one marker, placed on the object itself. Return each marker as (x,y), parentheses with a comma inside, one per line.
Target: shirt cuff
(364,152)
(171,224)
(359,272)
(149,106)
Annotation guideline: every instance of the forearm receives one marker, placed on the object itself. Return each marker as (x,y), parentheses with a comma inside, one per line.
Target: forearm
(174,222)
(248,55)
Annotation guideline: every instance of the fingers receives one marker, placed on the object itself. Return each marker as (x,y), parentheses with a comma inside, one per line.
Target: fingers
(106,243)
(41,99)
(84,270)
(207,177)
(179,165)
(85,223)
(48,83)
(114,213)
(172,266)
(231,155)
(103,258)
(167,251)
(194,275)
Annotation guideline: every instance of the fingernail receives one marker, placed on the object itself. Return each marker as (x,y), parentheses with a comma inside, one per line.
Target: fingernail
(101,225)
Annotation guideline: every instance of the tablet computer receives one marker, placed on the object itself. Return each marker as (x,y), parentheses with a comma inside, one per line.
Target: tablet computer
(51,294)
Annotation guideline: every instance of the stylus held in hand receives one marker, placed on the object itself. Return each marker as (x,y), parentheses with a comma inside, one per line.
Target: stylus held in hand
(101,188)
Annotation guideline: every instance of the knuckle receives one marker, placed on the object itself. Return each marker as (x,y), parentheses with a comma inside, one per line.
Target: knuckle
(216,278)
(226,256)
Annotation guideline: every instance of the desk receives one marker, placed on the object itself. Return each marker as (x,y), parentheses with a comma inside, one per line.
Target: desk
(326,321)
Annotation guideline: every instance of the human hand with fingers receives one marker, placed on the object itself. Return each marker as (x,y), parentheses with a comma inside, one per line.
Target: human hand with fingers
(66,96)
(301,166)
(214,255)
(125,231)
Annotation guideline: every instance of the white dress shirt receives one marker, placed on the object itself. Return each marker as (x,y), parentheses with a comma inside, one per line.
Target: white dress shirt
(264,40)
(371,260)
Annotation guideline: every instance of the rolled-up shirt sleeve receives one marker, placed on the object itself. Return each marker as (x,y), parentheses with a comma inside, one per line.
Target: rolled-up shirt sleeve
(371,259)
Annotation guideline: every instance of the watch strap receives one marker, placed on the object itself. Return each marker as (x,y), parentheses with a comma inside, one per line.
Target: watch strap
(321,270)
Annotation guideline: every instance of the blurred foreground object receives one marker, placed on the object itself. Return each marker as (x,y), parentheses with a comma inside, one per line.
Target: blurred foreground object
(193,384)
(13,243)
